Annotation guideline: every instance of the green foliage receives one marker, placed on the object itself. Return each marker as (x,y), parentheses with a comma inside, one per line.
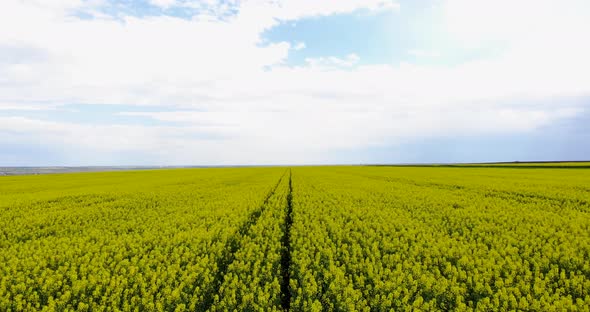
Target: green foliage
(426,239)
(327,238)
(129,241)
(253,279)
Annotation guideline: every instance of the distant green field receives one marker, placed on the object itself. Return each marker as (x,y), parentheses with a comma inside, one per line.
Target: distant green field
(531,164)
(303,239)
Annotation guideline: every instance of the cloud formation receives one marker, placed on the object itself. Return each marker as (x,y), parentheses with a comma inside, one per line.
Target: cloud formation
(232,98)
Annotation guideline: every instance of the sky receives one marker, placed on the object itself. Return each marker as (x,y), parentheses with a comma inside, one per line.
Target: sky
(262,82)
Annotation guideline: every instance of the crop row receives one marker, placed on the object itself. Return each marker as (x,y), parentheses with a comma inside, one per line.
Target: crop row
(302,239)
(122,247)
(375,240)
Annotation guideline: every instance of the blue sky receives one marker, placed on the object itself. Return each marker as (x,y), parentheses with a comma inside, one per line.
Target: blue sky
(185,82)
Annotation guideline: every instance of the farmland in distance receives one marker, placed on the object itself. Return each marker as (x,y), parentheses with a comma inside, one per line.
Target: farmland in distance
(303,238)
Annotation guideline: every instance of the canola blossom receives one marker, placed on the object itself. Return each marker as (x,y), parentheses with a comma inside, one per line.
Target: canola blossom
(302,238)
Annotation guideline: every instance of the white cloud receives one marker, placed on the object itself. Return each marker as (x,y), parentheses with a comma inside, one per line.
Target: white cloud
(164,3)
(475,22)
(333,62)
(21,107)
(296,9)
(253,107)
(423,53)
(299,46)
